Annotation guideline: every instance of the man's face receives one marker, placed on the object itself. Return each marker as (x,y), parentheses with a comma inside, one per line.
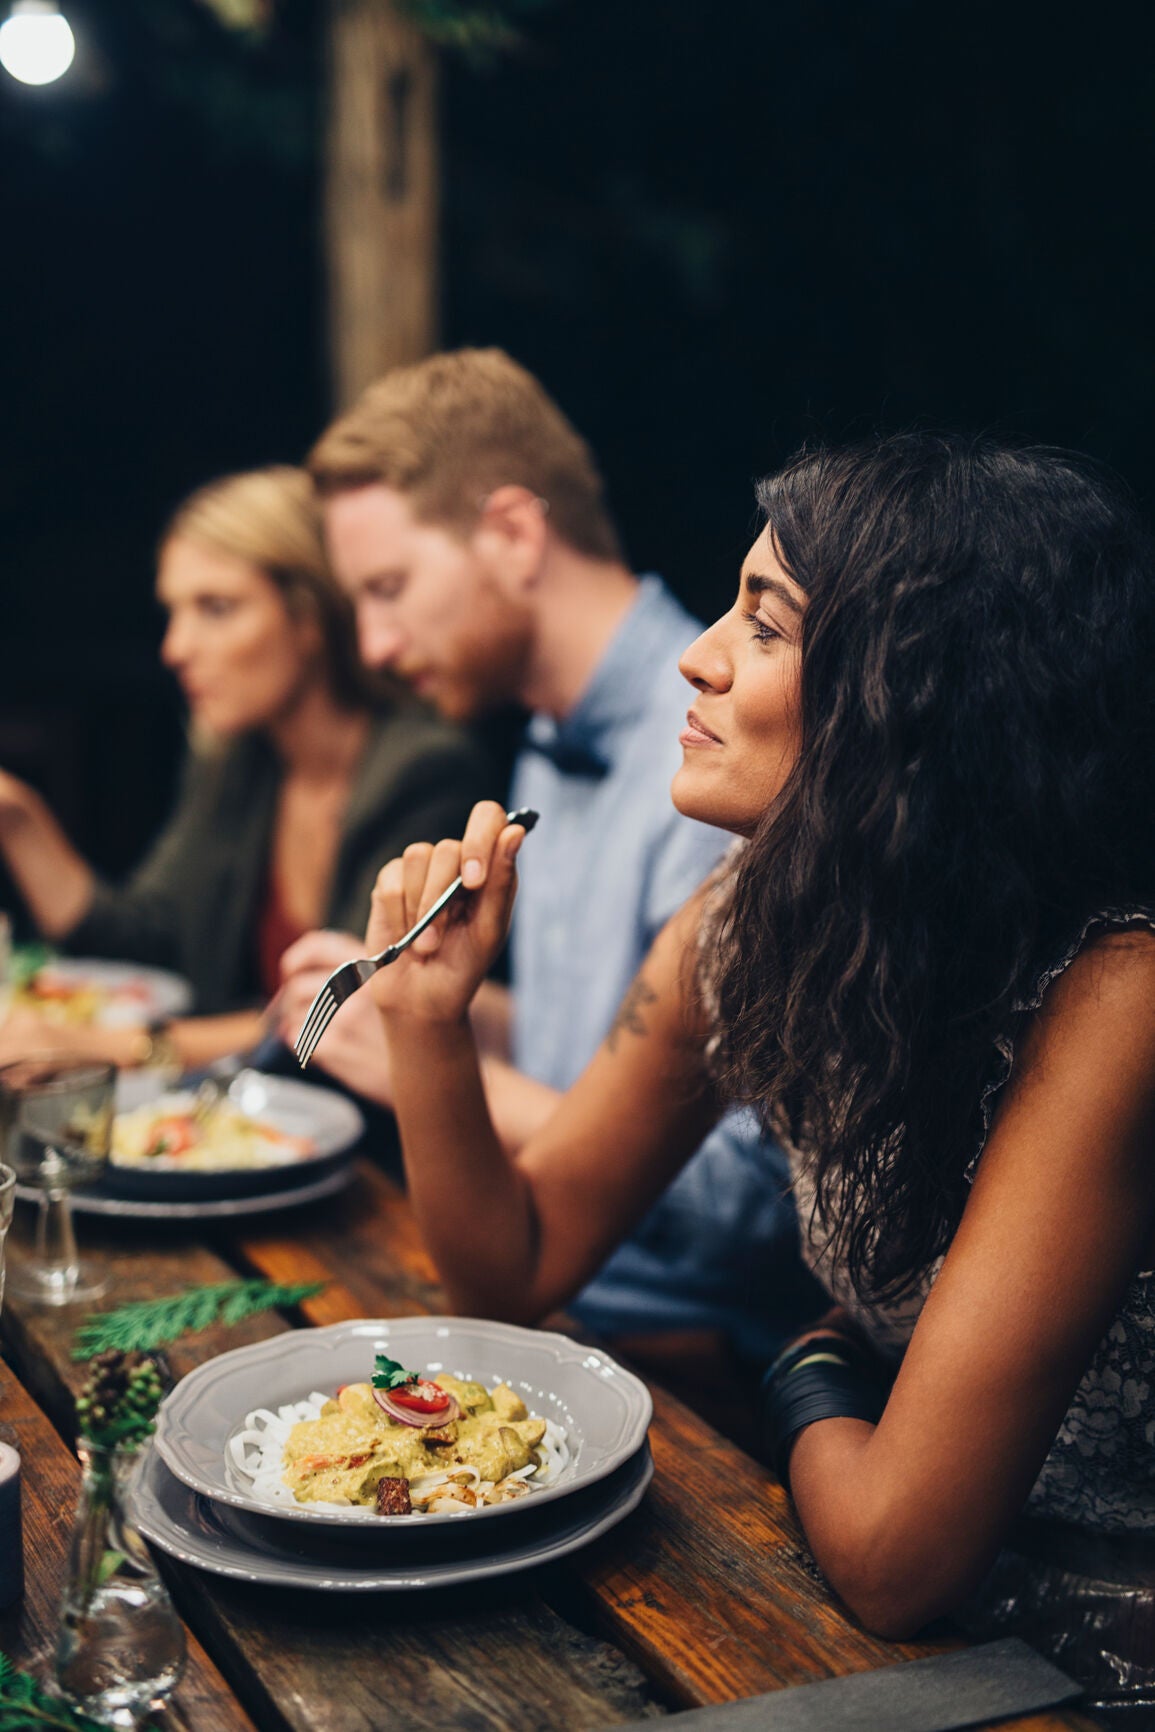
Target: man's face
(430,605)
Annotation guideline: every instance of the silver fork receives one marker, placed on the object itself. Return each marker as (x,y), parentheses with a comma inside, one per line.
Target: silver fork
(351,976)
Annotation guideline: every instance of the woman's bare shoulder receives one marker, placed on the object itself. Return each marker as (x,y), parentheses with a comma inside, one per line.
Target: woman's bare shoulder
(1084,1070)
(1110,982)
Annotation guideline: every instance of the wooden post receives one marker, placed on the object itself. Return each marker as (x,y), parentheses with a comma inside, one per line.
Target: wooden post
(381,193)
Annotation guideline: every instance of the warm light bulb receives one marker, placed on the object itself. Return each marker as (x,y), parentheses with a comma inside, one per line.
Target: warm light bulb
(36,42)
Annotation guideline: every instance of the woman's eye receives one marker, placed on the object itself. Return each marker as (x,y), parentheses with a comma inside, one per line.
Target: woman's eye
(763,632)
(217,606)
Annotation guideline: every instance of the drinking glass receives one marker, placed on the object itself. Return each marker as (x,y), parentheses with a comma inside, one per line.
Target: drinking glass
(120,1650)
(7,1200)
(56,1129)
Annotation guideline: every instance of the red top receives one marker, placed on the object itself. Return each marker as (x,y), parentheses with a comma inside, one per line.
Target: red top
(276,930)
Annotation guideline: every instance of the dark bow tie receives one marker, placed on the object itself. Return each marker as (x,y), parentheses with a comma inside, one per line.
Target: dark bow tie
(571,757)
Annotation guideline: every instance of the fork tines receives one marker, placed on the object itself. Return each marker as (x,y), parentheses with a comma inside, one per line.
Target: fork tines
(321,1013)
(341,984)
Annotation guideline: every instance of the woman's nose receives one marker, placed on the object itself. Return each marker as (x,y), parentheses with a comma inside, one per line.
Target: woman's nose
(174,645)
(706,664)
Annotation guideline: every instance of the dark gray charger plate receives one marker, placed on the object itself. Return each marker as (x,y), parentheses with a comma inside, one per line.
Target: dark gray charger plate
(212,1537)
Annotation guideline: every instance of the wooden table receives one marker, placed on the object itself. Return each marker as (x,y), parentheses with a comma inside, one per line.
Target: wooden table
(705,1594)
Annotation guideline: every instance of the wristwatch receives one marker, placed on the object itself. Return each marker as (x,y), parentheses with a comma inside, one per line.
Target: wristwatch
(158,1049)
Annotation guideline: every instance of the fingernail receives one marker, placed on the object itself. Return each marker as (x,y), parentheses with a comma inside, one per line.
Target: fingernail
(472,874)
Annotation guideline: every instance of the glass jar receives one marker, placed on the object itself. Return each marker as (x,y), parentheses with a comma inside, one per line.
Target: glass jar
(121,1648)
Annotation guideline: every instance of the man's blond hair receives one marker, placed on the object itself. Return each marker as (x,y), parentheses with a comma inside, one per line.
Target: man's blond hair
(449,430)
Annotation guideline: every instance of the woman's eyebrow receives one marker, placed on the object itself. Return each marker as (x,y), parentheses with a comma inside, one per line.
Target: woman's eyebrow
(757,584)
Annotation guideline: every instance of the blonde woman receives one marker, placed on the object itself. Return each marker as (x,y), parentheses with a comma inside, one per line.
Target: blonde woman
(304,776)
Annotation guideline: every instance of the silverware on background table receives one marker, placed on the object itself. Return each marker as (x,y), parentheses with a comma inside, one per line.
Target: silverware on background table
(351,976)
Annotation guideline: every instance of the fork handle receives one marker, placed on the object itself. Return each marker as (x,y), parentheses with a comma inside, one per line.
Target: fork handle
(526,817)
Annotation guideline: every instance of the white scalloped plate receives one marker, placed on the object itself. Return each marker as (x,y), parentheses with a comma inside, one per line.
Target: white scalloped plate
(604,1409)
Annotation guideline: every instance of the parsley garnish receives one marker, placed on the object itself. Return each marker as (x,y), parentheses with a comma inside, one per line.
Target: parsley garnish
(390,1374)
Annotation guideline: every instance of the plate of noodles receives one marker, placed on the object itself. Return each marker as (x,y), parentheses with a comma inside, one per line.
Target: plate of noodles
(402,1423)
(264,1133)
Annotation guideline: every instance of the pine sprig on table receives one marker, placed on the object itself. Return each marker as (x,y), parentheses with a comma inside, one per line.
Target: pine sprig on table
(148,1323)
(25,1706)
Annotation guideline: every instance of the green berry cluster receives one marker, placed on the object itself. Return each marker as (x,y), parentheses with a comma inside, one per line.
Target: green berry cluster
(118,1402)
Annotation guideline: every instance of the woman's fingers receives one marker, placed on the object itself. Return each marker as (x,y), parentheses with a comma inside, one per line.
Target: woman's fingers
(415,863)
(493,903)
(408,887)
(486,822)
(386,908)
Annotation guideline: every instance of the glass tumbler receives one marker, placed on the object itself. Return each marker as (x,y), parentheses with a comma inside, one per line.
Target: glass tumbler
(120,1648)
(55,1131)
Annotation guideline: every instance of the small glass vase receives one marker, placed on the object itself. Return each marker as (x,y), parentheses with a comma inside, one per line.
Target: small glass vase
(121,1648)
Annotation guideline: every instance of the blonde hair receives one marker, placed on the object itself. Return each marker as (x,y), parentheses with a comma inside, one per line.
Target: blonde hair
(451,429)
(270,519)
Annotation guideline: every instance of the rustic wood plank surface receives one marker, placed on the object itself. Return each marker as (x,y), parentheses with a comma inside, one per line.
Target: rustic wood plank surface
(51,1481)
(706,1595)
(492,1657)
(715,1595)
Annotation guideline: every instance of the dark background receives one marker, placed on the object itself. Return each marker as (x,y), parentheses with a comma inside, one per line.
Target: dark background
(713,229)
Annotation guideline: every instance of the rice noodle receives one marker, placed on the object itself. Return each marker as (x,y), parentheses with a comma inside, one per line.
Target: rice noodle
(256,1452)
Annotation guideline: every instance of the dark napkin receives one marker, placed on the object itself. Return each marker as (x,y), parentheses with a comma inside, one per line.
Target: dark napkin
(936,1695)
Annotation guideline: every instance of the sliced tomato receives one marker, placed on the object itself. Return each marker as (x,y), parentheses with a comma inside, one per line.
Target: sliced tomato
(52,989)
(174,1135)
(421,1397)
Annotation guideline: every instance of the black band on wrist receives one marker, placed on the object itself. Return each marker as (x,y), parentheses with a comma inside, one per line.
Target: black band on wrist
(803,1393)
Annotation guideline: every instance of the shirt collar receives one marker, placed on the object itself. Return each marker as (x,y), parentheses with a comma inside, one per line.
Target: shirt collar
(586,741)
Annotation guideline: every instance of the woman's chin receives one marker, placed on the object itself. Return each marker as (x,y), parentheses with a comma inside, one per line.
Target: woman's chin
(693,800)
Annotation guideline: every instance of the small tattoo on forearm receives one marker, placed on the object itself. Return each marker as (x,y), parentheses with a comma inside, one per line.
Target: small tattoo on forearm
(630,1017)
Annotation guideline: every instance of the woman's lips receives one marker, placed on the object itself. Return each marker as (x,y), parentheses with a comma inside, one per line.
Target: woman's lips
(696,733)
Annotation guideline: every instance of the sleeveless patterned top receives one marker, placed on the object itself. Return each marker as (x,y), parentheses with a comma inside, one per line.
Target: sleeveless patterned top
(1100,1470)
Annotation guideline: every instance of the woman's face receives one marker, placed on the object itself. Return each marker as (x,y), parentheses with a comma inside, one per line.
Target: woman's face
(243,660)
(743,731)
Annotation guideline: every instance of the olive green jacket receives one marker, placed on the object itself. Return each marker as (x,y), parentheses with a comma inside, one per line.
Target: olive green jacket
(194,903)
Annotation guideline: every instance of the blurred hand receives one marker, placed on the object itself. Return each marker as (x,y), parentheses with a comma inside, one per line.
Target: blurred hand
(24,1034)
(437,977)
(14,798)
(353,1047)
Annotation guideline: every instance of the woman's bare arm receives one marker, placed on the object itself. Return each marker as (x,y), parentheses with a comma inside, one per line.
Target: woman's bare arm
(55,881)
(905,1518)
(514,1238)
(196,1040)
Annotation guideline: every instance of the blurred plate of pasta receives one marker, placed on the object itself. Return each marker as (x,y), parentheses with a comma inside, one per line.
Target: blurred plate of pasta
(86,992)
(264,1134)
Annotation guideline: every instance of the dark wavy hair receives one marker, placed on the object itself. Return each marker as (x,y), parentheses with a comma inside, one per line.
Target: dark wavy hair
(975,780)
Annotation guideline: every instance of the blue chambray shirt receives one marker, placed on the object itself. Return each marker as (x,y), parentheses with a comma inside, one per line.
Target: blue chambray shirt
(610,862)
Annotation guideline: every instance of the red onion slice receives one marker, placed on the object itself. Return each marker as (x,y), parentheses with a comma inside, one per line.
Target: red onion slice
(419,1421)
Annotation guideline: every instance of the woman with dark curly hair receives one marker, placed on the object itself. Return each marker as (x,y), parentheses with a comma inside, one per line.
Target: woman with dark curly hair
(930,963)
